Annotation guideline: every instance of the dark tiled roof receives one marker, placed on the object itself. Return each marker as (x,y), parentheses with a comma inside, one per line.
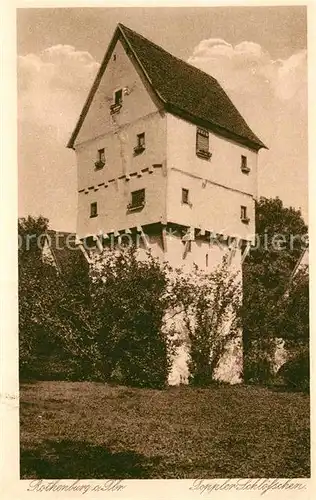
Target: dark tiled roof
(182,89)
(66,253)
(186,88)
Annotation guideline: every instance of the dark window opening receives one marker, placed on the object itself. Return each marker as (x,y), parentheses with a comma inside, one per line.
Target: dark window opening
(138,198)
(140,146)
(244,164)
(118,97)
(101,158)
(185,196)
(141,140)
(94,209)
(101,154)
(243,214)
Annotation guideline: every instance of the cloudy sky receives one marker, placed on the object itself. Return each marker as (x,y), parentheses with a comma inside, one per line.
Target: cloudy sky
(258,54)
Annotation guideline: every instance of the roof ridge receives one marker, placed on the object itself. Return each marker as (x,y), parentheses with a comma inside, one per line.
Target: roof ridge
(167,52)
(210,78)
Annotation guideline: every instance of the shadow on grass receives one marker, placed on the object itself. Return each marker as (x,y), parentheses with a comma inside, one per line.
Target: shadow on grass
(26,405)
(77,459)
(289,389)
(27,381)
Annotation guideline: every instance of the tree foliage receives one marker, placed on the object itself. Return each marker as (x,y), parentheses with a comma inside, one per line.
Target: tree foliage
(296,371)
(30,231)
(293,317)
(281,237)
(211,311)
(54,319)
(113,323)
(130,297)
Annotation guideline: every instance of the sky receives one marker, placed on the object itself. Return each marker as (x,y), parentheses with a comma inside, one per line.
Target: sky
(258,55)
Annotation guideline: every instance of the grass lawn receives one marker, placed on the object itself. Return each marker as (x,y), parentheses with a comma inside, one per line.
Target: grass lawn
(93,430)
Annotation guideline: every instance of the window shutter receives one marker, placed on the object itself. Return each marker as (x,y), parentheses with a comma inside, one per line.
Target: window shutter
(202,140)
(138,198)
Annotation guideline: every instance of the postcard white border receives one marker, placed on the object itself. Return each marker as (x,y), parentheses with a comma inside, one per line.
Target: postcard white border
(11,486)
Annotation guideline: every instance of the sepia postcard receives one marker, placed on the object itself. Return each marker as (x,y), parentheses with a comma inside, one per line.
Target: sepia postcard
(156,266)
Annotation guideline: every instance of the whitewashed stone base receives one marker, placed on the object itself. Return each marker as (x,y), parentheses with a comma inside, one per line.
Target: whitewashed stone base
(229,369)
(281,355)
(180,372)
(230,366)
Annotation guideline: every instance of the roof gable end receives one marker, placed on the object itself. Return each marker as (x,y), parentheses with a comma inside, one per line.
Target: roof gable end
(182,89)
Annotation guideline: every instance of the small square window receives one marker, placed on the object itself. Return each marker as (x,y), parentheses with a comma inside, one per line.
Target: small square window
(94,209)
(185,196)
(202,143)
(138,199)
(244,164)
(118,97)
(140,146)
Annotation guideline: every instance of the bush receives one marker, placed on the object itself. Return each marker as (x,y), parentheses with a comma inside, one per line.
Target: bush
(211,313)
(53,367)
(112,326)
(129,299)
(258,361)
(293,319)
(295,372)
(257,367)
(290,321)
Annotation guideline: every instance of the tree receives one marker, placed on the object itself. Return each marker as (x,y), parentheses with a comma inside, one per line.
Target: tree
(293,324)
(211,311)
(281,235)
(129,299)
(30,230)
(54,318)
(293,319)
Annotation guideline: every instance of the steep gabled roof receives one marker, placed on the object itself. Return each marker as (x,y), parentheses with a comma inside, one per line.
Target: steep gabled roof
(183,90)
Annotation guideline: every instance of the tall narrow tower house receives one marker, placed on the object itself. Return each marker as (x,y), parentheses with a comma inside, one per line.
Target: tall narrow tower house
(162,151)
(165,158)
